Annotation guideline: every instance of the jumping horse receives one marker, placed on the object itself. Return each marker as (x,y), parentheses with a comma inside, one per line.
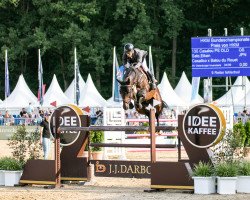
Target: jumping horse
(135,87)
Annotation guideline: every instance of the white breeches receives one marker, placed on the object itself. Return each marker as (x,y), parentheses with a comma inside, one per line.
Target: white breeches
(144,65)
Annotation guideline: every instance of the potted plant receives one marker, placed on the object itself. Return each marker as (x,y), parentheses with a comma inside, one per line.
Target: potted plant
(241,135)
(226,173)
(12,171)
(204,181)
(247,141)
(96,137)
(2,171)
(243,179)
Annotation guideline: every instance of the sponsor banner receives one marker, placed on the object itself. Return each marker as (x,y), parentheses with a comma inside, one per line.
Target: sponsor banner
(125,169)
(7,131)
(204,125)
(66,116)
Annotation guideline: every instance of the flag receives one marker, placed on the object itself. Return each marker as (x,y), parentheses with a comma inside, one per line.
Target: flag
(43,92)
(77,88)
(41,87)
(7,80)
(150,62)
(119,74)
(86,109)
(53,103)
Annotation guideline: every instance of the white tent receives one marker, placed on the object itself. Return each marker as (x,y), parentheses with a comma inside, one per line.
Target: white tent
(244,101)
(112,103)
(168,94)
(90,95)
(70,92)
(236,93)
(54,94)
(20,97)
(184,90)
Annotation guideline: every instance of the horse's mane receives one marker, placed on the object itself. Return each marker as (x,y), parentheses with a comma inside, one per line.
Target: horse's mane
(137,72)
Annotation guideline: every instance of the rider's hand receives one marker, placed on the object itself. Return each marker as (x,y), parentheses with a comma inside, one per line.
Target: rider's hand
(137,65)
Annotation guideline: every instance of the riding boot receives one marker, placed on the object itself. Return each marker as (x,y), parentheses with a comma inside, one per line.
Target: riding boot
(152,80)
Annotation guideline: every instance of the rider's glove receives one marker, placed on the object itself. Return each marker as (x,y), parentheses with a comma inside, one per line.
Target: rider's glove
(127,65)
(137,65)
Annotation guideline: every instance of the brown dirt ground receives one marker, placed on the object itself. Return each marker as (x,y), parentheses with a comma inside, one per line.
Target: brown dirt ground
(107,188)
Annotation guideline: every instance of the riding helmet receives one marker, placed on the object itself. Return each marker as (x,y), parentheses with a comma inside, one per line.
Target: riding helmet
(128,47)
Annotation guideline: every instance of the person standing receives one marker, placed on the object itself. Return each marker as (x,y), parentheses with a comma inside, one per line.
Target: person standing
(45,136)
(30,110)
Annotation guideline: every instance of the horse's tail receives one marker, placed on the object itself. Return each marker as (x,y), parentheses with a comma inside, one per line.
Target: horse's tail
(165,105)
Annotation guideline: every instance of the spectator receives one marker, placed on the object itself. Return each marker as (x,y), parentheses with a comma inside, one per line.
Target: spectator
(136,116)
(173,114)
(99,118)
(41,113)
(244,116)
(30,110)
(6,115)
(1,118)
(11,120)
(23,113)
(7,118)
(45,136)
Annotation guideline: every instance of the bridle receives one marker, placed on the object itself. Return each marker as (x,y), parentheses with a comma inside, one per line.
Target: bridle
(131,88)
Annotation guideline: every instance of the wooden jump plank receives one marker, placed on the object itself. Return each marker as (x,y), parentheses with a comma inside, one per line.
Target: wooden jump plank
(131,145)
(117,128)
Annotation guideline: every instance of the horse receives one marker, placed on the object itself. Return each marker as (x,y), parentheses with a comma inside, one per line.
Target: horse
(135,87)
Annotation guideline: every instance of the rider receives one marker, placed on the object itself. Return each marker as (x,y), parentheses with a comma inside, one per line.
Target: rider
(133,55)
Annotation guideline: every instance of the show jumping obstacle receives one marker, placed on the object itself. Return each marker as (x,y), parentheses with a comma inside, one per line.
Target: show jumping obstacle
(70,166)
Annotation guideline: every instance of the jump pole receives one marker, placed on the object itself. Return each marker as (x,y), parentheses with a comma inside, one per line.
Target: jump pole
(57,159)
(152,134)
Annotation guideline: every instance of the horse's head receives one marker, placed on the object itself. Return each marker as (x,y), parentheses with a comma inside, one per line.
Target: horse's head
(126,91)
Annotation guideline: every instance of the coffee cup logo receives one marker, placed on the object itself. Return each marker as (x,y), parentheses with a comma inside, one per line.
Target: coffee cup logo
(204,125)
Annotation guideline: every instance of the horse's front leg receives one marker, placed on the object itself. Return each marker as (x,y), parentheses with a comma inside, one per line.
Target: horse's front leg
(141,99)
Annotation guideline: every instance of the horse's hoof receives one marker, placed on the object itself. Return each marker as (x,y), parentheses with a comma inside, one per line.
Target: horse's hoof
(131,106)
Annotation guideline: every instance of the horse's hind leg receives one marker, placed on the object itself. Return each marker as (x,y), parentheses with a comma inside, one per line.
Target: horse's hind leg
(157,119)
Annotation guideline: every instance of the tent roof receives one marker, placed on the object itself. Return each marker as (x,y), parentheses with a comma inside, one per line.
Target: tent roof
(54,93)
(21,96)
(112,103)
(242,102)
(184,90)
(90,95)
(236,92)
(70,90)
(168,94)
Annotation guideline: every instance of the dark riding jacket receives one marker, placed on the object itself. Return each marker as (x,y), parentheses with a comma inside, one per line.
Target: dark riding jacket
(137,58)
